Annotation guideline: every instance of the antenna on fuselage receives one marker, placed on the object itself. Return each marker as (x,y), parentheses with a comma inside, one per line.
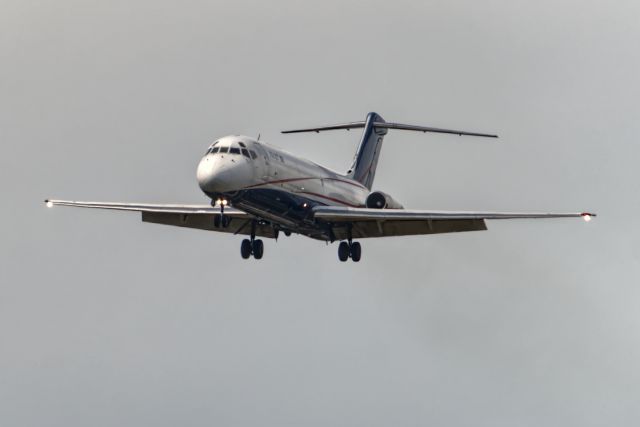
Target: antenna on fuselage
(258,137)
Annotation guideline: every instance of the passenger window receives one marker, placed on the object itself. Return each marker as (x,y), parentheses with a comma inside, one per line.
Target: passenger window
(234,150)
(242,144)
(215,150)
(224,149)
(245,153)
(253,154)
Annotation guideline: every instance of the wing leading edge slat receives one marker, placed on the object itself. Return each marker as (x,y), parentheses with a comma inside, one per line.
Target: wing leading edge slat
(148,207)
(340,214)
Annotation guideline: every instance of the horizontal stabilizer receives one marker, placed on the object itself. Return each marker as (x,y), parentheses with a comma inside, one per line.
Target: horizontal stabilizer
(430,129)
(347,126)
(385,125)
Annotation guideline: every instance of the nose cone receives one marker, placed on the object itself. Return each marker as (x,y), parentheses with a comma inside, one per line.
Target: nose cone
(215,175)
(204,172)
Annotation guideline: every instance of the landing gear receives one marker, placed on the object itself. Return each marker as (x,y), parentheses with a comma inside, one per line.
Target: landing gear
(343,251)
(258,249)
(220,221)
(348,250)
(245,248)
(252,246)
(356,251)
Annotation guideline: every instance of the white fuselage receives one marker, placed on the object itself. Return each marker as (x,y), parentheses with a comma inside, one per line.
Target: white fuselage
(270,183)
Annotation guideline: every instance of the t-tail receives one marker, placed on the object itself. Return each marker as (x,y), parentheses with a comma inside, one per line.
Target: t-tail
(365,161)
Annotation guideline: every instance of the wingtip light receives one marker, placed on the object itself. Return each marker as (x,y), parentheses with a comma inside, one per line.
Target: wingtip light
(49,203)
(587,216)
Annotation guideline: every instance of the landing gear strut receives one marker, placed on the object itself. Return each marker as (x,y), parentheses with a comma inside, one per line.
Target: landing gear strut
(252,246)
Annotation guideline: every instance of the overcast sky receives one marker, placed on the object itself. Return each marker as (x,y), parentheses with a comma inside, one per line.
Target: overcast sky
(108,321)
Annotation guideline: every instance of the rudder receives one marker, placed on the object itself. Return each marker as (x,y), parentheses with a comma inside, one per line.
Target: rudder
(365,161)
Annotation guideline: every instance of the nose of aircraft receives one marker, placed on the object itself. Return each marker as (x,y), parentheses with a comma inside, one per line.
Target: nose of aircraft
(215,175)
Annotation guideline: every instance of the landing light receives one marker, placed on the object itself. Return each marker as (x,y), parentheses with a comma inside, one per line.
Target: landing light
(586,217)
(224,202)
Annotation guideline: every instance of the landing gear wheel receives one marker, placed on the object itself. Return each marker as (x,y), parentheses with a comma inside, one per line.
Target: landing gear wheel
(245,248)
(343,251)
(221,221)
(356,251)
(258,249)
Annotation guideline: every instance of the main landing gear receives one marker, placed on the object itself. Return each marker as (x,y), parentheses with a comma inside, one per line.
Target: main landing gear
(348,250)
(252,246)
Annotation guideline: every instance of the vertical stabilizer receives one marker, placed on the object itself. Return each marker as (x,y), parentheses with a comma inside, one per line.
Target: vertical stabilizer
(365,162)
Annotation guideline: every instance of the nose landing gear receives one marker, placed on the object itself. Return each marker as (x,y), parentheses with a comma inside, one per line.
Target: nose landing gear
(220,221)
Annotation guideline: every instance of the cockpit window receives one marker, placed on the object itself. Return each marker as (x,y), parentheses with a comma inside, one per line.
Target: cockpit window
(253,154)
(234,150)
(224,149)
(245,153)
(215,150)
(242,144)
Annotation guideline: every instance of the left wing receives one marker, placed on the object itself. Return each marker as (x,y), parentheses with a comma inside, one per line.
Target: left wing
(400,222)
(191,216)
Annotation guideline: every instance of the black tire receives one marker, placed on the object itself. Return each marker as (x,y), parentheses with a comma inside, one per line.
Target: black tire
(245,248)
(343,251)
(225,221)
(356,251)
(258,249)
(216,221)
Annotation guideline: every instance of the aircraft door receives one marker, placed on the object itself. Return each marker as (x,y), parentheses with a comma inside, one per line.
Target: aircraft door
(265,163)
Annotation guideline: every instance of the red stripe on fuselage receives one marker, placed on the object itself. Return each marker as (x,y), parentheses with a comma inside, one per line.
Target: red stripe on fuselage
(281,181)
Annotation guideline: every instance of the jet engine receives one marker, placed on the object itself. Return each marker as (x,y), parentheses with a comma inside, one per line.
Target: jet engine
(380,200)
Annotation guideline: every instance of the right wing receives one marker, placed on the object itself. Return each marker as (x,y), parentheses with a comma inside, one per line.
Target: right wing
(366,222)
(190,216)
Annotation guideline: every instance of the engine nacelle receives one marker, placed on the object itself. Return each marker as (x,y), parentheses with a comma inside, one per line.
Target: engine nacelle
(380,200)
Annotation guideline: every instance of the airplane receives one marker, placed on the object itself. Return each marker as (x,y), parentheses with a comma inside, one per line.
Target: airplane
(259,190)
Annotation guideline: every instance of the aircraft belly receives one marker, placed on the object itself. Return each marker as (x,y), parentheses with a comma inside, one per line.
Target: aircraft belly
(276,205)
(286,194)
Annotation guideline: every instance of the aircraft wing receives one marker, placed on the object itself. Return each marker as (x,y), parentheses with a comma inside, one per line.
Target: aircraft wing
(400,222)
(189,216)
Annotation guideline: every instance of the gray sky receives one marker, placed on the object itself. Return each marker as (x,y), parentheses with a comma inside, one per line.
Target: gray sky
(107,321)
